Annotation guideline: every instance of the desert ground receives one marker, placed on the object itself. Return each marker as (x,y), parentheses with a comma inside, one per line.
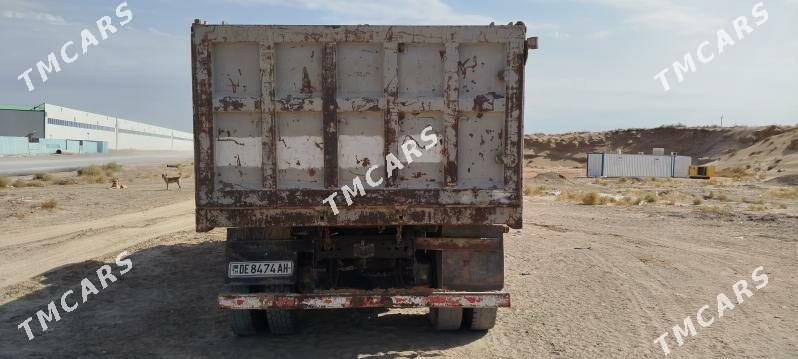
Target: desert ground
(602,267)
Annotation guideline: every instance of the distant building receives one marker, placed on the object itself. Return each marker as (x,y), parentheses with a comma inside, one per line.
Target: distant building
(639,165)
(47,128)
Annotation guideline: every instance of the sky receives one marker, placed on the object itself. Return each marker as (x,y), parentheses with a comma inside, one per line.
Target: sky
(595,68)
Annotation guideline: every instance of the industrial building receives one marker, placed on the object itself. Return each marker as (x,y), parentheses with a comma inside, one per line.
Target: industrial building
(638,165)
(48,128)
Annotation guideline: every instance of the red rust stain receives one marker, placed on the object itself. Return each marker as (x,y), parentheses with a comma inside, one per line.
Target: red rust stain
(312,172)
(239,302)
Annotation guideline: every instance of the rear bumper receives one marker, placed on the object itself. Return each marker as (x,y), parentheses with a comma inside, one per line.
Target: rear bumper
(364,300)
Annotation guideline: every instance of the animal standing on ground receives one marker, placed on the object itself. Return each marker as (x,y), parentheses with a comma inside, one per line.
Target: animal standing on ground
(168,180)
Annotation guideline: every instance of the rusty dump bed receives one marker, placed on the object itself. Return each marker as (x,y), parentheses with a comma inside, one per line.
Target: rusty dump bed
(284,116)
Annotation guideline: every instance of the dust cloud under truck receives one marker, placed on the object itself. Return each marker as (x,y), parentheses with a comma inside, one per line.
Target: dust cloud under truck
(297,132)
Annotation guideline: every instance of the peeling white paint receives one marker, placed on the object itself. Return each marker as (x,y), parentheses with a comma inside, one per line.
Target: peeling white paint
(238,151)
(353,149)
(300,152)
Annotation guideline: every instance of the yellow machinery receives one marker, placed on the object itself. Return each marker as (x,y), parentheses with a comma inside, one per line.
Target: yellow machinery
(702,172)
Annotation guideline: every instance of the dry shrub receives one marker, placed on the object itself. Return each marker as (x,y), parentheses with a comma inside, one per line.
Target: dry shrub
(590,198)
(43,177)
(784,192)
(631,201)
(783,205)
(527,191)
(732,172)
(650,198)
(112,167)
(593,199)
(89,171)
(758,201)
(715,209)
(569,196)
(21,183)
(4,182)
(65,181)
(757,208)
(100,178)
(600,182)
(697,201)
(534,191)
(722,197)
(622,180)
(49,204)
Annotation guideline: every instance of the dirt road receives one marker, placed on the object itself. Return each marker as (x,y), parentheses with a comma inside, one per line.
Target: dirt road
(586,281)
(26,165)
(25,253)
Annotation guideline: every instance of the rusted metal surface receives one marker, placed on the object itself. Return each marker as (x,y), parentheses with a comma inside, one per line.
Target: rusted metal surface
(209,218)
(329,115)
(451,243)
(391,299)
(473,270)
(306,98)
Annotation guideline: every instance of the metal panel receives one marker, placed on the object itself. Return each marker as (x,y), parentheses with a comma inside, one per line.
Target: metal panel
(331,100)
(14,123)
(238,151)
(629,165)
(361,144)
(427,170)
(594,164)
(480,150)
(681,166)
(377,299)
(300,150)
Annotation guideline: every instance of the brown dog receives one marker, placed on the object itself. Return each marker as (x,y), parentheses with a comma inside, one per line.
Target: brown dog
(116,185)
(169,180)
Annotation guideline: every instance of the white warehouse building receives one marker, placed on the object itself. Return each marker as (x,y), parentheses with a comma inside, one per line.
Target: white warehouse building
(78,128)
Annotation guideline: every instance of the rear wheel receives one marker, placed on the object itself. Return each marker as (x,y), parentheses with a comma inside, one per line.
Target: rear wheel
(245,322)
(480,318)
(446,318)
(282,322)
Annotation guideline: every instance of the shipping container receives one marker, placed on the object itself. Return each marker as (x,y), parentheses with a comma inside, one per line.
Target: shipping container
(630,165)
(295,130)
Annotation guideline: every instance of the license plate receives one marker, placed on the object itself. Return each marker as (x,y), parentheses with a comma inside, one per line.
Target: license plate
(260,269)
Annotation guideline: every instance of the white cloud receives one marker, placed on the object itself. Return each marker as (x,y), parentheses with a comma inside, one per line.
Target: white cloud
(415,12)
(23,10)
(664,15)
(601,35)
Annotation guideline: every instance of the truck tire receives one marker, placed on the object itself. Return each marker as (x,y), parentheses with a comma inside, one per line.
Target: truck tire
(480,318)
(446,318)
(245,322)
(282,322)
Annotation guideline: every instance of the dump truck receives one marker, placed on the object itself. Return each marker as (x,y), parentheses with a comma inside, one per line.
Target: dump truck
(359,167)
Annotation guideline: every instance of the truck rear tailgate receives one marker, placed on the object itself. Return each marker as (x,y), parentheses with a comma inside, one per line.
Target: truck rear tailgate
(284,116)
